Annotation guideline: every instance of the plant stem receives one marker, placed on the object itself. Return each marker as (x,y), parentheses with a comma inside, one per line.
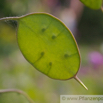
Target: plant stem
(102,6)
(17,91)
(9,18)
(78,80)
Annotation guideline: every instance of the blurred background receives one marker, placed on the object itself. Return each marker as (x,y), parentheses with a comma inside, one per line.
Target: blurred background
(15,72)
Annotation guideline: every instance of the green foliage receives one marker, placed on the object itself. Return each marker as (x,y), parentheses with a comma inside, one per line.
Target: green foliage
(93,4)
(12,98)
(7,39)
(48,45)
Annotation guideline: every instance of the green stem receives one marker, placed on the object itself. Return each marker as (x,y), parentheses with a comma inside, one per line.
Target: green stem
(17,91)
(102,6)
(78,80)
(9,18)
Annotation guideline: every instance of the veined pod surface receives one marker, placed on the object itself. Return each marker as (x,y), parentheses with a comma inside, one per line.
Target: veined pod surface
(48,45)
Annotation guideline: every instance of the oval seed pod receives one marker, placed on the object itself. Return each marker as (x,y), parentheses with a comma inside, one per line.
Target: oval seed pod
(48,45)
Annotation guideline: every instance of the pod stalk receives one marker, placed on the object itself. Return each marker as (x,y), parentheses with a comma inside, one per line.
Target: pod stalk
(9,18)
(78,80)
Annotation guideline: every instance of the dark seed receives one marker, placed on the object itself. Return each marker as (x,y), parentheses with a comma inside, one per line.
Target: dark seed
(53,37)
(42,53)
(43,29)
(66,55)
(50,63)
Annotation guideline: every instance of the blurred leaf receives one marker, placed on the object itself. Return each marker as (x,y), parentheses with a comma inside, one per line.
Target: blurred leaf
(17,92)
(48,45)
(7,39)
(93,4)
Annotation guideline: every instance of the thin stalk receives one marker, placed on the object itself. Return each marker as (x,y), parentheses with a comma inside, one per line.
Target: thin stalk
(78,80)
(17,91)
(9,18)
(102,6)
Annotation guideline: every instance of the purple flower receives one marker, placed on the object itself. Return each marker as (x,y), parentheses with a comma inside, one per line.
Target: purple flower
(96,58)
